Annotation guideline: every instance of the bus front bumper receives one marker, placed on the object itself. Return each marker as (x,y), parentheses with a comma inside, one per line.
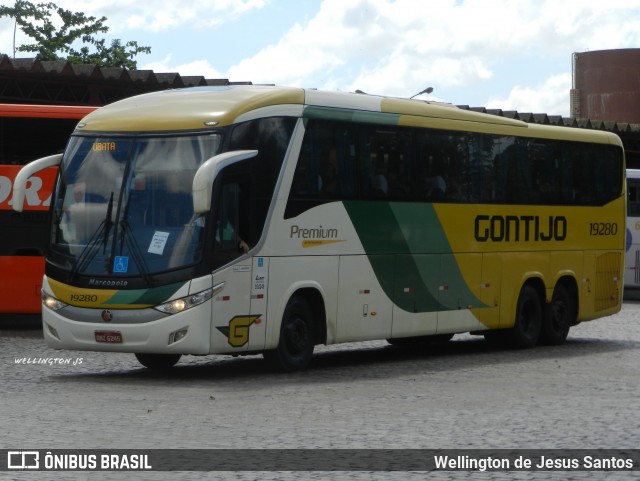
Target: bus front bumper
(183,333)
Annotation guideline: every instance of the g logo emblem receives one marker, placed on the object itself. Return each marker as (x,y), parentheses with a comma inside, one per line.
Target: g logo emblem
(107,316)
(238,330)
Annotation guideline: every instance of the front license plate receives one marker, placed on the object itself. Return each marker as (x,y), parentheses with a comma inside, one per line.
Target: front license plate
(113,337)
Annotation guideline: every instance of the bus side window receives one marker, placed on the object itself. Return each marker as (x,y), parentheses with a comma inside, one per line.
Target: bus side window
(330,174)
(633,204)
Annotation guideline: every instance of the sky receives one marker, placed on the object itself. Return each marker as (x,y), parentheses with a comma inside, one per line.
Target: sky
(499,54)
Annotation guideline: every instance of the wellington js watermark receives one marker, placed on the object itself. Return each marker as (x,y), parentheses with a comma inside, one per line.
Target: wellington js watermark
(49,361)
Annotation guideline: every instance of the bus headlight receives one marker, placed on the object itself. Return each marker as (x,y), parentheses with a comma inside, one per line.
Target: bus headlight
(184,303)
(51,302)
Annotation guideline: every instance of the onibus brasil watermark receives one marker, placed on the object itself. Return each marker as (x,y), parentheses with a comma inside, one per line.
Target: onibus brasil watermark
(404,460)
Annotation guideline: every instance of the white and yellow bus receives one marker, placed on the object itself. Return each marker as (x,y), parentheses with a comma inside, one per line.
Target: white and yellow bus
(259,219)
(632,257)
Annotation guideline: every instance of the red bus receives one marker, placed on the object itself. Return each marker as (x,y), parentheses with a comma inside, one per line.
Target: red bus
(28,132)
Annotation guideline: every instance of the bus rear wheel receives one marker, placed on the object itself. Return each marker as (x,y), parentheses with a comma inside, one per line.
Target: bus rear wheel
(158,361)
(297,338)
(560,316)
(526,331)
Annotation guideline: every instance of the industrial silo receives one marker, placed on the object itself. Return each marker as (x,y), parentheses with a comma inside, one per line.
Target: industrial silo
(606,85)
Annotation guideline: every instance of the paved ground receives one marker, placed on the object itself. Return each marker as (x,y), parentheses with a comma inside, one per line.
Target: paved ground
(369,395)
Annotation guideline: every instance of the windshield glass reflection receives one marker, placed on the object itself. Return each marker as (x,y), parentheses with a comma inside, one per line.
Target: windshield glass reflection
(124,206)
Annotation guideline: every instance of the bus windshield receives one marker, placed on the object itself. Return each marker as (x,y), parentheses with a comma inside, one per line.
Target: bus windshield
(123,206)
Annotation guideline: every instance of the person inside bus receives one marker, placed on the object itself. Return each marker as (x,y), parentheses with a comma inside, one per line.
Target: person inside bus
(304,185)
(83,216)
(435,187)
(330,178)
(234,223)
(226,233)
(79,190)
(435,184)
(379,183)
(379,186)
(243,247)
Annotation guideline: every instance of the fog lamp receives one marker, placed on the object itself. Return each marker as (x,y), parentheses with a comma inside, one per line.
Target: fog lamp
(53,332)
(178,335)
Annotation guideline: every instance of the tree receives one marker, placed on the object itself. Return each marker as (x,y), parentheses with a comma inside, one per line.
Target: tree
(116,55)
(35,21)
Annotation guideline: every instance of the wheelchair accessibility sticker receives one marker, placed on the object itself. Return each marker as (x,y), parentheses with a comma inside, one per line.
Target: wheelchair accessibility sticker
(121,264)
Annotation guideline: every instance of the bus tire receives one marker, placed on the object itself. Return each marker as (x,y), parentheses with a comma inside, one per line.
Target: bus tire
(526,330)
(560,316)
(297,338)
(158,361)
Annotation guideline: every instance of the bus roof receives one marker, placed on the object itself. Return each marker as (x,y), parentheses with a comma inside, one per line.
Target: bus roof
(45,111)
(193,108)
(199,108)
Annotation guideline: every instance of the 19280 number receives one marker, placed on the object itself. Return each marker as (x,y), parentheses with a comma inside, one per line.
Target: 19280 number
(83,298)
(603,228)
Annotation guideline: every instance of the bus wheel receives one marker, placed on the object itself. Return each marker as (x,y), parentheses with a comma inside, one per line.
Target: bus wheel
(297,339)
(560,317)
(158,361)
(526,330)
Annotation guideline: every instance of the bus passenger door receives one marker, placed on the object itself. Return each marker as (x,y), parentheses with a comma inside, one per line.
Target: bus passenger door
(240,310)
(364,308)
(459,292)
(415,298)
(232,317)
(632,256)
(490,289)
(259,286)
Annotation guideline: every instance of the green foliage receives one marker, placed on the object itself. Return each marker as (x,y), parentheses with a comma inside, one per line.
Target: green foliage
(35,21)
(117,55)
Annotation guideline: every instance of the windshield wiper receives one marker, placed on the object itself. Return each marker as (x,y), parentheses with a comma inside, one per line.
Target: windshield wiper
(90,250)
(136,253)
(108,223)
(138,257)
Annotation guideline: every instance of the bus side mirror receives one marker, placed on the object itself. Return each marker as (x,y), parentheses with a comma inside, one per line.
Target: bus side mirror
(207,173)
(20,182)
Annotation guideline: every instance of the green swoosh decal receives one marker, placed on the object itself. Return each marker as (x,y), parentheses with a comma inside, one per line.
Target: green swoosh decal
(152,297)
(407,248)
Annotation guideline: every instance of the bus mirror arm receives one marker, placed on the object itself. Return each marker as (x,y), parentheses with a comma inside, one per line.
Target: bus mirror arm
(20,182)
(205,176)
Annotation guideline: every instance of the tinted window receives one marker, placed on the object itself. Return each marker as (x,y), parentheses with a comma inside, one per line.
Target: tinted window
(243,191)
(342,160)
(633,198)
